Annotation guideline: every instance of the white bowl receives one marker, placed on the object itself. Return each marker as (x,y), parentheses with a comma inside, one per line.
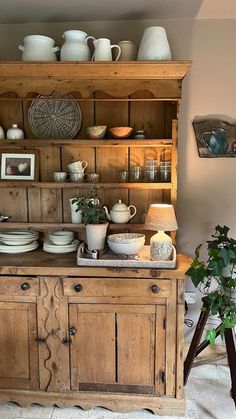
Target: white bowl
(126,243)
(62,237)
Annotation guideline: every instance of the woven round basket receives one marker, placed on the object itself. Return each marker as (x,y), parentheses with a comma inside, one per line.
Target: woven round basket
(55,116)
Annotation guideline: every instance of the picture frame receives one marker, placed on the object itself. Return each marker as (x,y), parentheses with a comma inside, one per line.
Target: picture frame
(215,137)
(22,165)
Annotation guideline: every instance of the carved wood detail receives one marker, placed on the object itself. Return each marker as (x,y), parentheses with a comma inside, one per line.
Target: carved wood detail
(53,327)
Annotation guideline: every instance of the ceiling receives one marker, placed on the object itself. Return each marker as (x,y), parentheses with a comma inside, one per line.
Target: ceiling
(25,11)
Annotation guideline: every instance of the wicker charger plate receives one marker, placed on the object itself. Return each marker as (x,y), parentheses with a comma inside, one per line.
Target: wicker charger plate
(52,117)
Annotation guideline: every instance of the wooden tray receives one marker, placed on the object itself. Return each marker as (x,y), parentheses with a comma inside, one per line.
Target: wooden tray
(142,260)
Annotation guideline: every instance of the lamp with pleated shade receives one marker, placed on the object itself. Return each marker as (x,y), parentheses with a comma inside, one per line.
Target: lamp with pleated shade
(161,218)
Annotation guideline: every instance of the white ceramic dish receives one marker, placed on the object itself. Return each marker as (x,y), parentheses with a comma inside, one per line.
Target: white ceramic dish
(15,241)
(10,234)
(18,249)
(52,248)
(62,237)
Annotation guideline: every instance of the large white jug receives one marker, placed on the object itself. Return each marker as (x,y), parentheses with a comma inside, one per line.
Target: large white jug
(103,50)
(75,47)
(38,48)
(154,45)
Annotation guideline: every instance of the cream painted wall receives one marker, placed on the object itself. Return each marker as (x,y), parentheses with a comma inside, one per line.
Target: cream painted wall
(206,190)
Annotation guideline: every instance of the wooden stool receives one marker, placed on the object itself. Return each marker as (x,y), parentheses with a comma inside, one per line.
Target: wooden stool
(196,348)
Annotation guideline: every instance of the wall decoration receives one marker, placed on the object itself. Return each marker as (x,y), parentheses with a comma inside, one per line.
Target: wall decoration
(19,166)
(215,137)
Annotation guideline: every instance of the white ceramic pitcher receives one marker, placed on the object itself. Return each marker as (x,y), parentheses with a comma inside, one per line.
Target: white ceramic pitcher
(154,45)
(75,47)
(38,48)
(103,50)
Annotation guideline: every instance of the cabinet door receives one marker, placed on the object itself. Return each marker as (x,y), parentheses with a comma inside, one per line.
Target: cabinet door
(113,348)
(18,347)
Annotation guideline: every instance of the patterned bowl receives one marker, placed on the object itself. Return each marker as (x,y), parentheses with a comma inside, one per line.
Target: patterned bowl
(126,243)
(97,131)
(121,132)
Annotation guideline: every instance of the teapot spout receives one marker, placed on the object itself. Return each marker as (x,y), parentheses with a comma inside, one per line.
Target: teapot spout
(107,213)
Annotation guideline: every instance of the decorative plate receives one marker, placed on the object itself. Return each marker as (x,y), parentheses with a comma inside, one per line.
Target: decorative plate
(55,116)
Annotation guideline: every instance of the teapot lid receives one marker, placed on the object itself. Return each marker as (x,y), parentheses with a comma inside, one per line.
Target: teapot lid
(119,206)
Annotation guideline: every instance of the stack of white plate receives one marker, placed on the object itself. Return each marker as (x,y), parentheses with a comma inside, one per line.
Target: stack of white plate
(50,247)
(61,242)
(18,241)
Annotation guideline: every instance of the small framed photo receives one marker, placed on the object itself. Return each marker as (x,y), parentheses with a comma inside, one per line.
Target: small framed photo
(19,166)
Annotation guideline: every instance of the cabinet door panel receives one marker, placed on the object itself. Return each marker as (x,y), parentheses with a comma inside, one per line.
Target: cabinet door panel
(135,336)
(93,347)
(18,348)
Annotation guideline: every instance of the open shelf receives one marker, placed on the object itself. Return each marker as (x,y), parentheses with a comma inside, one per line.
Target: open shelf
(128,142)
(61,226)
(73,185)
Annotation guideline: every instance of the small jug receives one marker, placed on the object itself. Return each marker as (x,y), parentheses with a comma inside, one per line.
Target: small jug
(215,140)
(15,133)
(103,50)
(75,47)
(38,48)
(128,51)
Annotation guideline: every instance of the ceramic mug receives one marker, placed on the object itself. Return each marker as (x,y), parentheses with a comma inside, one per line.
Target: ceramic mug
(128,51)
(59,176)
(92,177)
(77,166)
(77,176)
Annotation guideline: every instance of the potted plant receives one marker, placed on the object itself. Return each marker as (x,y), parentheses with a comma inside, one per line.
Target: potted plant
(216,272)
(94,218)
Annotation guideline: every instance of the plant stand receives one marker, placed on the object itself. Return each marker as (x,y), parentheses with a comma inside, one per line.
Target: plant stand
(196,348)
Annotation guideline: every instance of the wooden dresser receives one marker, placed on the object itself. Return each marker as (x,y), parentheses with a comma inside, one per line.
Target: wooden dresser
(91,336)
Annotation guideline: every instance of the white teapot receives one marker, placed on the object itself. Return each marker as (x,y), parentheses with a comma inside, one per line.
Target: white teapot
(120,213)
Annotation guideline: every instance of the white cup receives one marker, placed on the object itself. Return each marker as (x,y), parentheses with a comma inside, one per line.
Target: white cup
(77,166)
(59,176)
(77,176)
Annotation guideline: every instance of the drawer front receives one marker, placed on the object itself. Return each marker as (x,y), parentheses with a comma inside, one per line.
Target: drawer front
(96,287)
(19,286)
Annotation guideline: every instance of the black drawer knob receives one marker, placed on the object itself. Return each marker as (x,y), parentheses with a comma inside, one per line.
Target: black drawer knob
(25,286)
(78,288)
(155,289)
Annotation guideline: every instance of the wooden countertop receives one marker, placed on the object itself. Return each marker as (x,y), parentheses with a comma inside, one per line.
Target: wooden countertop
(42,263)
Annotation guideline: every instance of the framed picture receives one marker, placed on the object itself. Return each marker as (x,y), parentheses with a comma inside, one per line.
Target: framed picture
(215,137)
(19,166)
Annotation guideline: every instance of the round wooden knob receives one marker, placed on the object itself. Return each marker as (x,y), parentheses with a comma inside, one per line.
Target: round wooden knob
(155,289)
(25,286)
(78,288)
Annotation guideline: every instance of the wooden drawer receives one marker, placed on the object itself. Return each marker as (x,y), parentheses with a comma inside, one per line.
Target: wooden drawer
(19,285)
(97,287)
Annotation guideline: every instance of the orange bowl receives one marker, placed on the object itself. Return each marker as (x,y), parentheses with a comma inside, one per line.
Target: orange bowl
(121,132)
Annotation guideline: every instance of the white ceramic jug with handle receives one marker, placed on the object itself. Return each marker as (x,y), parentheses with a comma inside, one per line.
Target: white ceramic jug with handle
(38,48)
(103,50)
(75,47)
(154,45)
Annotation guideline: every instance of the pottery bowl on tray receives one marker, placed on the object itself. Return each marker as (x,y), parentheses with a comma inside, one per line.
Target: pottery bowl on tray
(97,131)
(121,132)
(126,243)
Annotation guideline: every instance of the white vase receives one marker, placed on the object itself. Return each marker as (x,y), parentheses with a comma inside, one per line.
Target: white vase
(2,133)
(76,216)
(15,133)
(154,45)
(96,236)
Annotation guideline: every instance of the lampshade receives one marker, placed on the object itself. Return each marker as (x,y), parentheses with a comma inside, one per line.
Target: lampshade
(161,217)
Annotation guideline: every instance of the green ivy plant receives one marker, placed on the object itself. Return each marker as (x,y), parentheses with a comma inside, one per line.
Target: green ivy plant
(217,268)
(91,207)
